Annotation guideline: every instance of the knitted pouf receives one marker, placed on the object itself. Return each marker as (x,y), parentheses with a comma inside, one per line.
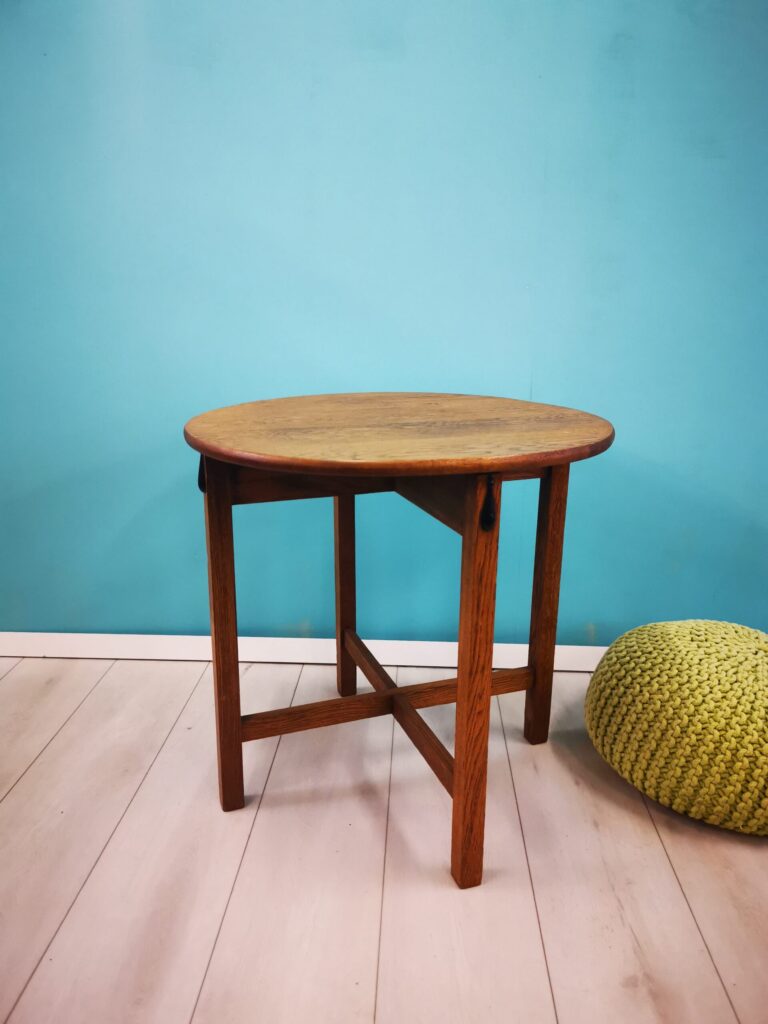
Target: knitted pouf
(680,710)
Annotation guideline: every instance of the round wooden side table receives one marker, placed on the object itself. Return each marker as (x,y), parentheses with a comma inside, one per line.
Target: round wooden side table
(448,454)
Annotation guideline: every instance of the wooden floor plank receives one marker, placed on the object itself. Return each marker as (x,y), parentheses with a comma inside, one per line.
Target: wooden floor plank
(299,939)
(141,960)
(6,664)
(620,940)
(55,822)
(36,699)
(725,879)
(450,955)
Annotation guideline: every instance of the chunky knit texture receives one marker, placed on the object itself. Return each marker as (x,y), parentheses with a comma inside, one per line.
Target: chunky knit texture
(680,710)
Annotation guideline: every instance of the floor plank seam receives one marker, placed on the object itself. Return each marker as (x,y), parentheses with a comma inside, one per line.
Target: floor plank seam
(109,837)
(10,668)
(690,908)
(242,856)
(641,905)
(383,877)
(56,733)
(528,863)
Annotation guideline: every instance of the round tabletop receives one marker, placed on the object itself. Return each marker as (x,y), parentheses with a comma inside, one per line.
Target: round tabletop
(397,434)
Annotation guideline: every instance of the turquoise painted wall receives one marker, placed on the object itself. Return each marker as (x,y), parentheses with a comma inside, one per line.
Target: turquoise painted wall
(208,203)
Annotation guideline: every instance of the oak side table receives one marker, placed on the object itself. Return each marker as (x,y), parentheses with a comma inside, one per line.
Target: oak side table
(448,454)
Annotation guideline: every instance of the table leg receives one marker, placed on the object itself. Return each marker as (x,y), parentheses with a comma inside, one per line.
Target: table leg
(344,537)
(226,676)
(553,492)
(479,554)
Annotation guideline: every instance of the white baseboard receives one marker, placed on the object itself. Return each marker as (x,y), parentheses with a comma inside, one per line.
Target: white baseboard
(312,651)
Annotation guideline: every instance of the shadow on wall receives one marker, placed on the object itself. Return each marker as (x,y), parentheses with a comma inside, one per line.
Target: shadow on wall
(642,544)
(107,549)
(645,543)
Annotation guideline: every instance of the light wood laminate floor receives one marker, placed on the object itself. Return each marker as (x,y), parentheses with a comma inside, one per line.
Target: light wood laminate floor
(126,895)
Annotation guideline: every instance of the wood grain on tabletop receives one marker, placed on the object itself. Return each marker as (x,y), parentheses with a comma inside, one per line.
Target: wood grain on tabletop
(405,433)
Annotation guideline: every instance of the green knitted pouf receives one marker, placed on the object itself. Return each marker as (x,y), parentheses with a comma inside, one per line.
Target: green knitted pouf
(680,710)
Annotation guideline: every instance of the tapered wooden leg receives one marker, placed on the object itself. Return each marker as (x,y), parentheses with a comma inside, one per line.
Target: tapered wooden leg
(344,536)
(473,688)
(221,587)
(553,493)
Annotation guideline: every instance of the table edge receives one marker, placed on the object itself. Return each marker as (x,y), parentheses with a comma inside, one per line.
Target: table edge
(426,467)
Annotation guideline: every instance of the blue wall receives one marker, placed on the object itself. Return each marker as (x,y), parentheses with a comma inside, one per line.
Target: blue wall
(206,203)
